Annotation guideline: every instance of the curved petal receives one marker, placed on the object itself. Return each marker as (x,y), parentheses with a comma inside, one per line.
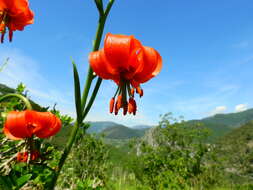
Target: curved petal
(51,125)
(33,120)
(19,21)
(158,66)
(152,65)
(100,66)
(16,125)
(135,60)
(3,5)
(8,134)
(117,51)
(16,6)
(134,83)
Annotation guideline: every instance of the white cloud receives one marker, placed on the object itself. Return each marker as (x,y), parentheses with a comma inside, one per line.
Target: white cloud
(218,109)
(241,107)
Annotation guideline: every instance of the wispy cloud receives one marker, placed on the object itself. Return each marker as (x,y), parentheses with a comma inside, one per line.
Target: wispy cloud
(240,45)
(22,68)
(200,106)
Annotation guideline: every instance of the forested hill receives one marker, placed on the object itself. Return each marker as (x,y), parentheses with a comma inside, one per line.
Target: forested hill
(236,150)
(221,124)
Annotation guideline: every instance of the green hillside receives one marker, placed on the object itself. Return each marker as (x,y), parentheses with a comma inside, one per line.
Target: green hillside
(232,120)
(5,89)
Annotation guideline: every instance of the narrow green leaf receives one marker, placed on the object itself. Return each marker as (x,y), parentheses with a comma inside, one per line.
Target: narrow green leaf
(22,180)
(77,92)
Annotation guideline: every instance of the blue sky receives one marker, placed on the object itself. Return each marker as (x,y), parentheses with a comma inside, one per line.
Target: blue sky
(206,46)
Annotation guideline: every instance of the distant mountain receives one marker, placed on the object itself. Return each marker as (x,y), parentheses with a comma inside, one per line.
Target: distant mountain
(123,132)
(99,126)
(142,127)
(232,120)
(221,124)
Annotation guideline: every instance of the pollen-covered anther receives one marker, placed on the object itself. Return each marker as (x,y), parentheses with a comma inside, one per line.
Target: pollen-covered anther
(125,107)
(132,92)
(112,104)
(116,110)
(131,106)
(119,102)
(139,91)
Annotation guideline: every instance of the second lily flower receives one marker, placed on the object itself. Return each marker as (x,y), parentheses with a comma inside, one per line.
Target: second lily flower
(128,63)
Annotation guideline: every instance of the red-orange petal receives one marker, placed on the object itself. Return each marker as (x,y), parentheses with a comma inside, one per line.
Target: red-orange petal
(158,66)
(152,65)
(2,5)
(100,66)
(19,14)
(19,21)
(9,135)
(50,125)
(117,50)
(16,125)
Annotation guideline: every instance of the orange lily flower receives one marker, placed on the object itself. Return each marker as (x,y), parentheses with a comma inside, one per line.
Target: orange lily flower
(23,156)
(25,124)
(14,15)
(128,63)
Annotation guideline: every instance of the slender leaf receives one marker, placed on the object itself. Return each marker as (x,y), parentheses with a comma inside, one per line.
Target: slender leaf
(77,92)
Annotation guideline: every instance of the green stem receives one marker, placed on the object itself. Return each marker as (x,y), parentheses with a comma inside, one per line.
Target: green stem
(89,79)
(93,96)
(99,33)
(90,76)
(24,99)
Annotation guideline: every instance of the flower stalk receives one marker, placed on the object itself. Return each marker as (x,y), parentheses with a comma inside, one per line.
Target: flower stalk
(24,99)
(81,108)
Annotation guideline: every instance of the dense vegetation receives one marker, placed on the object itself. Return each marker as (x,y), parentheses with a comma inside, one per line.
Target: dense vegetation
(172,155)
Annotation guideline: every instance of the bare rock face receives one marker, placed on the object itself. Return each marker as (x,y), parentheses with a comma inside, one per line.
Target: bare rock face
(149,138)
